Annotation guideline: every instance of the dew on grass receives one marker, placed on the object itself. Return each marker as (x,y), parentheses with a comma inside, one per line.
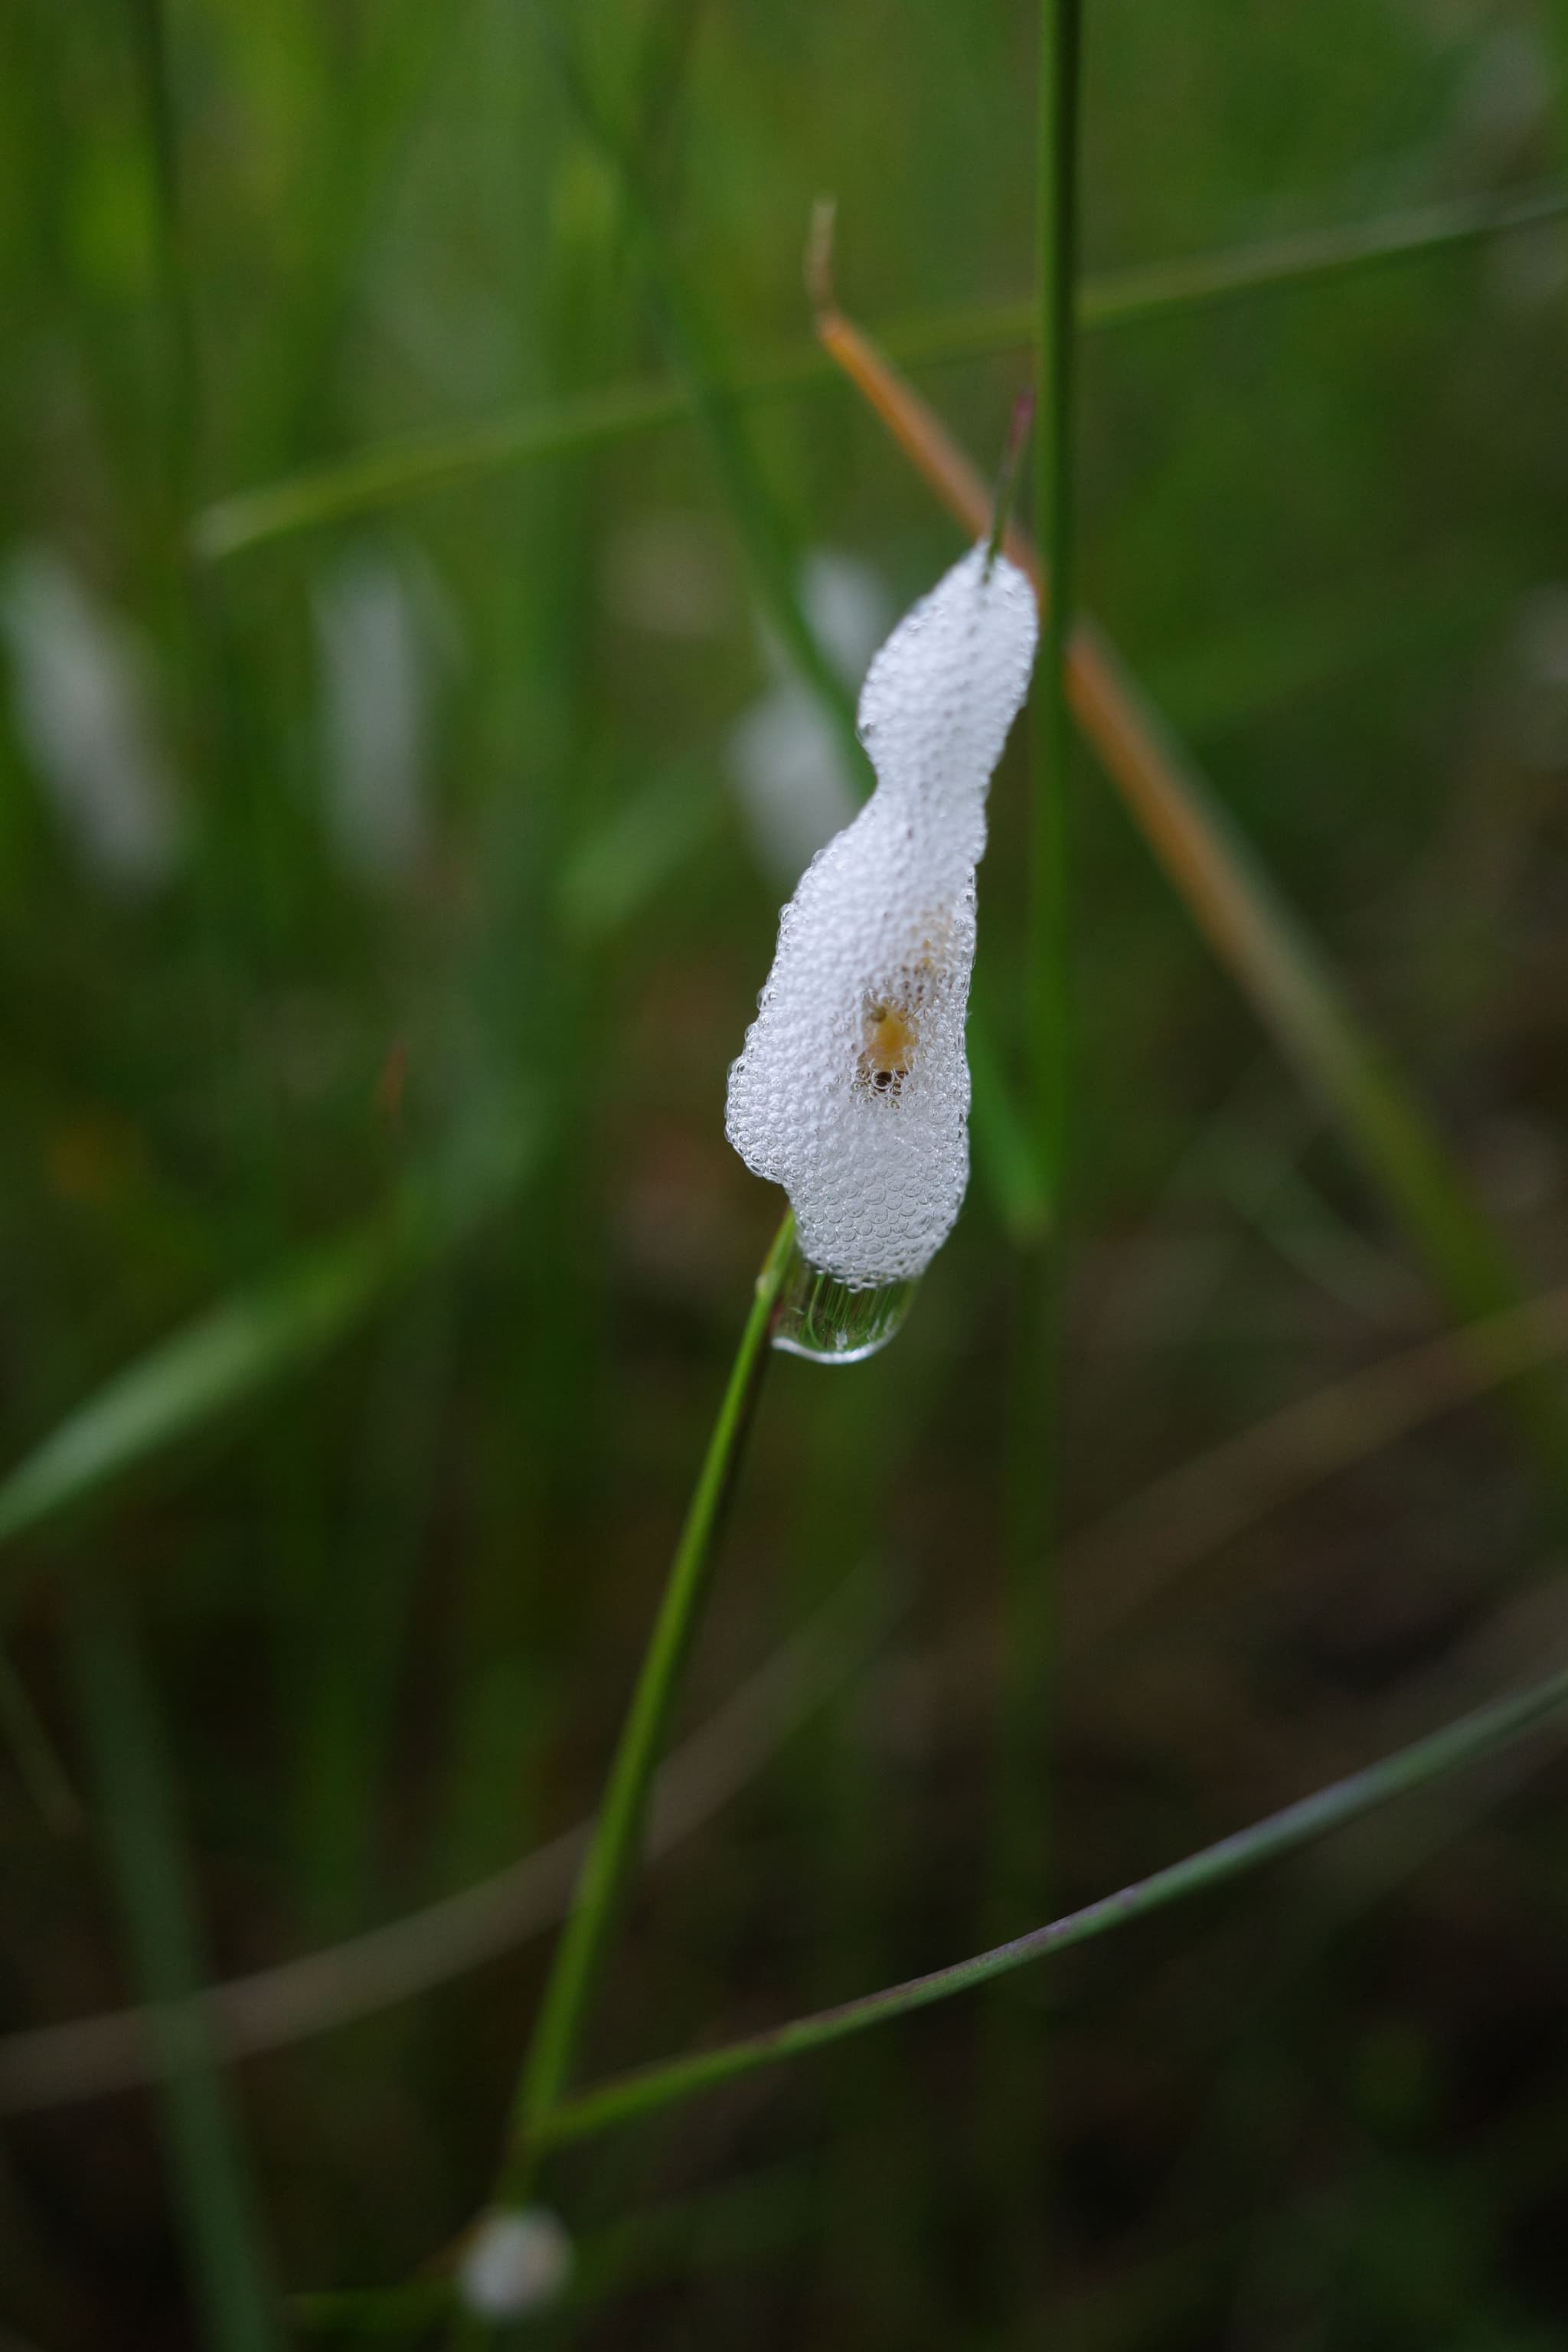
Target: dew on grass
(829,1323)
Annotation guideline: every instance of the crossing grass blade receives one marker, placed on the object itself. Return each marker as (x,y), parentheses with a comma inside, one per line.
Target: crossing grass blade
(1473,1737)
(417,464)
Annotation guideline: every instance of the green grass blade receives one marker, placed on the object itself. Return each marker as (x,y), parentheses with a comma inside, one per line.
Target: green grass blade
(418,463)
(248,1342)
(618,1835)
(1015,2131)
(1046,984)
(225,1356)
(136,1798)
(1484,1733)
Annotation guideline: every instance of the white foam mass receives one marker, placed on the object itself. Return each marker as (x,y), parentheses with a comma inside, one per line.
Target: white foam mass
(852,1089)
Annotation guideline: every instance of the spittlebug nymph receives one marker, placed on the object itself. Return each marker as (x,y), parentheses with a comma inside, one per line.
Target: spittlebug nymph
(852,1090)
(891,1033)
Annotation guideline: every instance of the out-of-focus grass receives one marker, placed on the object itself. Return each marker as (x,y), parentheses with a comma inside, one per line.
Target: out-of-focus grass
(231,2287)
(394,1615)
(387,476)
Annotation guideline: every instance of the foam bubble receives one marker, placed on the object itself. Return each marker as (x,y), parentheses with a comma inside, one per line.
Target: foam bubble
(852,1089)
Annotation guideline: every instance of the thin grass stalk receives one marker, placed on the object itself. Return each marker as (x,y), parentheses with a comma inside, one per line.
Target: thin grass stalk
(1033,1434)
(617,1837)
(1046,984)
(1014,2131)
(1486,1732)
(415,464)
(1268,951)
(136,1801)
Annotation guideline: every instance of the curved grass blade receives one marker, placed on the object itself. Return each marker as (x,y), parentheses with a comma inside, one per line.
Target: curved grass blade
(248,1342)
(418,463)
(1483,1733)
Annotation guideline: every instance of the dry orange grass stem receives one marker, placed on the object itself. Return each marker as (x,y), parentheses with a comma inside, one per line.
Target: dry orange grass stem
(1231,897)
(1106,702)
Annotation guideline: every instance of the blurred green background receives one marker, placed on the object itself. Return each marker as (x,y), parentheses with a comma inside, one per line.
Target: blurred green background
(397,889)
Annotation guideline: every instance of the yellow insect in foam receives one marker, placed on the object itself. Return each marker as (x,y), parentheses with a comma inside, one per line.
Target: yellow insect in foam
(891,1033)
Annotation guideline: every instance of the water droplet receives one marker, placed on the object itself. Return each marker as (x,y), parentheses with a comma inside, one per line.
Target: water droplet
(827,1321)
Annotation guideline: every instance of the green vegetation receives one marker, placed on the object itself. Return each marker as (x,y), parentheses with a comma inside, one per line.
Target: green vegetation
(422,497)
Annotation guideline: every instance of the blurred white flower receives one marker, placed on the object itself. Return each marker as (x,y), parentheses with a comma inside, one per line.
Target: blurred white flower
(514,2263)
(373,636)
(852,1090)
(84,715)
(791,768)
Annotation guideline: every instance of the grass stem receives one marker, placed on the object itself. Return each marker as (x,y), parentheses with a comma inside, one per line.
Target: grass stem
(1013,2104)
(617,1836)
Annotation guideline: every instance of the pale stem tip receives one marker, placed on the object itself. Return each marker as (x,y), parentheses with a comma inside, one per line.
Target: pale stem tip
(819,255)
(1011,471)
